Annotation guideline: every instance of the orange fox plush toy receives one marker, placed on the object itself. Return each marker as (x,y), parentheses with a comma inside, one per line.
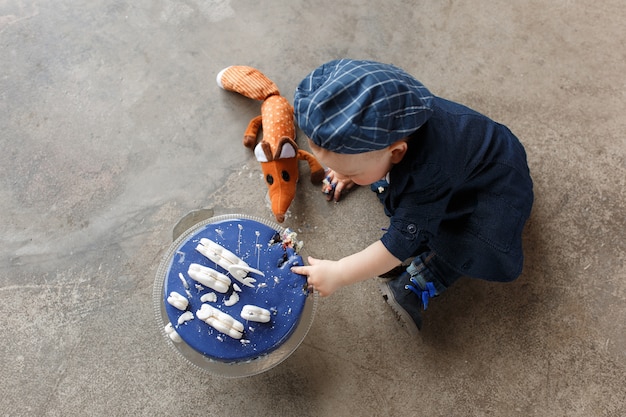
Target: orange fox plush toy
(277,151)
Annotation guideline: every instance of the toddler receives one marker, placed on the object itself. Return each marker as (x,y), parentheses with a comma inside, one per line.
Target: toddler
(455,184)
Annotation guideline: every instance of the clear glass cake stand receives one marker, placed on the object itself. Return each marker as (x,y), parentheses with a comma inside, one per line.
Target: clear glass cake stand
(228,370)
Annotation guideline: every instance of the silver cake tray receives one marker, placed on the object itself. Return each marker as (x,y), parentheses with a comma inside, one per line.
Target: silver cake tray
(197,359)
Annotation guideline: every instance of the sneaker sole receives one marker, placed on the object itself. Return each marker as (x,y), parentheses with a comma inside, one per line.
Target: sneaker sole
(405,318)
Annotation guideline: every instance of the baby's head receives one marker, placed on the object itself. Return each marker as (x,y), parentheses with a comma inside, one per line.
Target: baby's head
(348,106)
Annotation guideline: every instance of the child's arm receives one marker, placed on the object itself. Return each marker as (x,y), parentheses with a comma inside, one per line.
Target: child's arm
(328,276)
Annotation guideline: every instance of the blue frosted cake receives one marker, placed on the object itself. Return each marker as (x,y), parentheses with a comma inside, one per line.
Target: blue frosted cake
(229,292)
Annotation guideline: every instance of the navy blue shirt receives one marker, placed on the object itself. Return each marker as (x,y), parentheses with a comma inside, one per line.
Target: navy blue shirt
(464,190)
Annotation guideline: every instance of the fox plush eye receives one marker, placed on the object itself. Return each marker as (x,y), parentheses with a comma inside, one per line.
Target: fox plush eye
(269,179)
(285,175)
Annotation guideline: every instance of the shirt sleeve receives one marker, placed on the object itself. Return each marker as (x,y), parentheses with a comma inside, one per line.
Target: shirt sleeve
(417,210)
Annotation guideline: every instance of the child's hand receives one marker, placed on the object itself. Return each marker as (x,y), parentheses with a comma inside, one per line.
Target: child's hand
(326,277)
(322,276)
(334,185)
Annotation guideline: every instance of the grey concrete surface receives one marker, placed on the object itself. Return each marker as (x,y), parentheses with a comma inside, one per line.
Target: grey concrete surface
(112,128)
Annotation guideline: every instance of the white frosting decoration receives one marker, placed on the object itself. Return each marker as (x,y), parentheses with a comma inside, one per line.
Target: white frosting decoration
(209,277)
(178,301)
(220,321)
(255,313)
(209,298)
(186,316)
(229,261)
(169,330)
(182,278)
(236,287)
(232,300)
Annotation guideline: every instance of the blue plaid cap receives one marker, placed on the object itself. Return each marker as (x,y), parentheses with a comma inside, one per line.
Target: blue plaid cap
(348,106)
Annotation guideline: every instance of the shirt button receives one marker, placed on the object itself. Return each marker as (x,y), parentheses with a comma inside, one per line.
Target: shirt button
(411,228)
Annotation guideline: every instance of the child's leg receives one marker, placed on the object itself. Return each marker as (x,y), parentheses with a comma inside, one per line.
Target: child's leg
(429,276)
(440,270)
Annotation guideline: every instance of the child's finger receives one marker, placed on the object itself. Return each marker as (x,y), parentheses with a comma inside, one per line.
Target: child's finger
(301,270)
(342,188)
(312,260)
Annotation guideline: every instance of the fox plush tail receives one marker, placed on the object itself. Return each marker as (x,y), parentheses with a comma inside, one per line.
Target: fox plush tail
(276,118)
(247,81)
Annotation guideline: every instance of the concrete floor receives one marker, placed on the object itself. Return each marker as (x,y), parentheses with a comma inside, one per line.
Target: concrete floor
(112,129)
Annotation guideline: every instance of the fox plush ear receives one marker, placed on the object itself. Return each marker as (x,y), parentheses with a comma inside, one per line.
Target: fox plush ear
(287,148)
(263,152)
